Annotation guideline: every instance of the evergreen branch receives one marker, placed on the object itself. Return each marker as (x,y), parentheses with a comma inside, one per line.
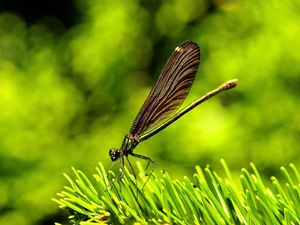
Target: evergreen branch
(205,199)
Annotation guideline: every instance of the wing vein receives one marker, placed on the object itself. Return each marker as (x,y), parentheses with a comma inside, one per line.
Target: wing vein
(170,89)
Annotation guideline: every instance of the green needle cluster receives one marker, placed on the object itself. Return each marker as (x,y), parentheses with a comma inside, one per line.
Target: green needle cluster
(206,198)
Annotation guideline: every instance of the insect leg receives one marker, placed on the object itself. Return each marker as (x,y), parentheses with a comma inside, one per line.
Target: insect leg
(134,174)
(149,160)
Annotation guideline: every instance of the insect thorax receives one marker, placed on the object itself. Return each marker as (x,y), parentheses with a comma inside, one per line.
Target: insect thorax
(129,143)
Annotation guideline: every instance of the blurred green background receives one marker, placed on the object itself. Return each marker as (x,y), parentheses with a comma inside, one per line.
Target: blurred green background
(73,77)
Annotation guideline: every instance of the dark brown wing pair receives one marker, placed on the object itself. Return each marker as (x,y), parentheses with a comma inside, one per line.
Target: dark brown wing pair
(170,89)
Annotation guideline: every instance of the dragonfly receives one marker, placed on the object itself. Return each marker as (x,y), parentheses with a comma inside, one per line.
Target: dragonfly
(160,109)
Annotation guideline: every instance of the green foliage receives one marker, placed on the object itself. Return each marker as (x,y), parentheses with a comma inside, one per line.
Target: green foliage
(207,198)
(67,95)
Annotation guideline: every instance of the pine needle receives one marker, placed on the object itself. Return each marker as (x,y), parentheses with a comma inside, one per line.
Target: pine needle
(206,199)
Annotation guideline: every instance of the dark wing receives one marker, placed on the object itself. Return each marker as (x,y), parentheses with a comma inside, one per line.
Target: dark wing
(170,89)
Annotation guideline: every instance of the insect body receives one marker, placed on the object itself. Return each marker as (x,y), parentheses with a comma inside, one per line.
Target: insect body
(160,108)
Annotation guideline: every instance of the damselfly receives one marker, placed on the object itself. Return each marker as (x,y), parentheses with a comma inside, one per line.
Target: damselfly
(159,109)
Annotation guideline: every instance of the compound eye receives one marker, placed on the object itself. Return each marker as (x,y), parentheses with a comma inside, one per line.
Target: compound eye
(111,152)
